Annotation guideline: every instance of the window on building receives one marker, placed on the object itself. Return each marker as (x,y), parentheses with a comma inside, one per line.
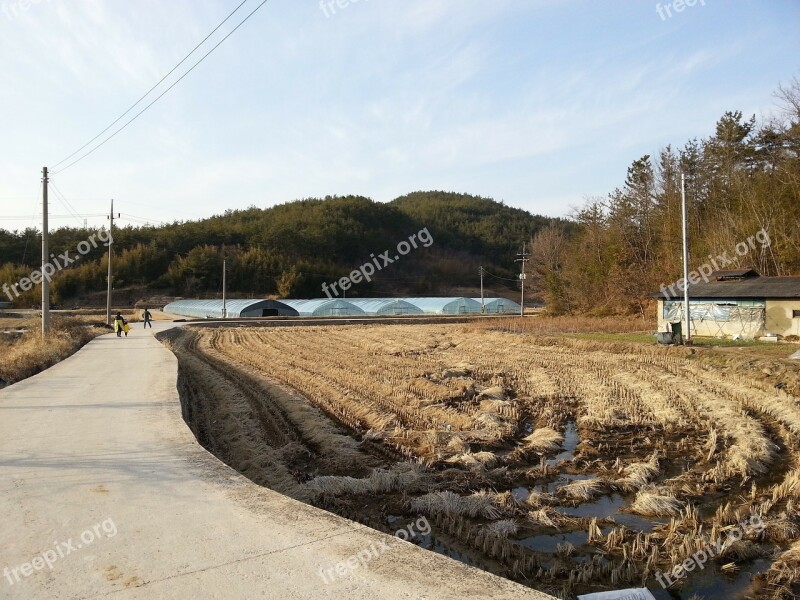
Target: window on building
(796,314)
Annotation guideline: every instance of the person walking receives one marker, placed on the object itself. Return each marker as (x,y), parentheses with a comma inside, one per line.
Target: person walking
(147,318)
(119,325)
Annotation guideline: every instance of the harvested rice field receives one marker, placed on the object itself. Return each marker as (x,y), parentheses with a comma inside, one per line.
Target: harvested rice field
(571,466)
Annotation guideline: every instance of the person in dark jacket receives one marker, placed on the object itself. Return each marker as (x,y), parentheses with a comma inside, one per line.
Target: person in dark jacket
(147,317)
(119,325)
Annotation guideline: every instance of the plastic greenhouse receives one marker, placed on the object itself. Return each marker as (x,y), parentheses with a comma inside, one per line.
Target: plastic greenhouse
(446,306)
(212,309)
(340,307)
(499,306)
(385,306)
(325,307)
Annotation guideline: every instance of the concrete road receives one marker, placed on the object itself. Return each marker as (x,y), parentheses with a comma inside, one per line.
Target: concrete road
(104,492)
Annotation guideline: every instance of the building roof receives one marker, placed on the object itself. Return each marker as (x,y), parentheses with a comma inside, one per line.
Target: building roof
(774,288)
(734,274)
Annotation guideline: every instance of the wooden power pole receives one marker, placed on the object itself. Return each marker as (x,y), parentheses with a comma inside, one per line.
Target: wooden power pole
(687,336)
(110,258)
(45,257)
(523,258)
(224,290)
(483,304)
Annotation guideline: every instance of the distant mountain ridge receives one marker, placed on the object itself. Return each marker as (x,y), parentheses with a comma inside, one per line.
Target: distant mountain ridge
(291,249)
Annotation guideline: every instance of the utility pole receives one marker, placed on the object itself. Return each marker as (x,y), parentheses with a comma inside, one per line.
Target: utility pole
(483,305)
(686,313)
(110,258)
(224,283)
(45,258)
(523,258)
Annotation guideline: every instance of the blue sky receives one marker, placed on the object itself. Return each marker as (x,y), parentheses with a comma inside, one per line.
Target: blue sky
(540,103)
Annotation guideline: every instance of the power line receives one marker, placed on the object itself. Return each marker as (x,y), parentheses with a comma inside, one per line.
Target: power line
(135,104)
(68,216)
(134,218)
(137,115)
(485,272)
(61,198)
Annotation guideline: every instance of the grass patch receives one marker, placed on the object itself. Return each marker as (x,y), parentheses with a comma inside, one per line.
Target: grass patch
(637,338)
(754,347)
(547,325)
(27,353)
(767,349)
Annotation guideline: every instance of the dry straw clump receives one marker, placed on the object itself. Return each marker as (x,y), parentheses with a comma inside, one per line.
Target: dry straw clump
(784,573)
(502,529)
(583,489)
(480,504)
(403,477)
(543,440)
(653,502)
(637,475)
(477,460)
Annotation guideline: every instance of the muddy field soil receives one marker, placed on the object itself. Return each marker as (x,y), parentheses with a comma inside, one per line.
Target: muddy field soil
(570,466)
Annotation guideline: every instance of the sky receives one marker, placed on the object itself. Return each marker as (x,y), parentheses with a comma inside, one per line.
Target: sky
(538,103)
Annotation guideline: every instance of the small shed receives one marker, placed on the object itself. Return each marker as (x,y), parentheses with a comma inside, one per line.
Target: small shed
(735,303)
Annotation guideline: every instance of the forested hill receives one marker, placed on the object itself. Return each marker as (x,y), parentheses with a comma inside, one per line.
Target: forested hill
(290,249)
(742,186)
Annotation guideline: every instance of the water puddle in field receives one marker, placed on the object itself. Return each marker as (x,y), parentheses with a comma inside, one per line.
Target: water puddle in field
(571,440)
(432,543)
(549,543)
(563,479)
(429,541)
(521,494)
(611,506)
